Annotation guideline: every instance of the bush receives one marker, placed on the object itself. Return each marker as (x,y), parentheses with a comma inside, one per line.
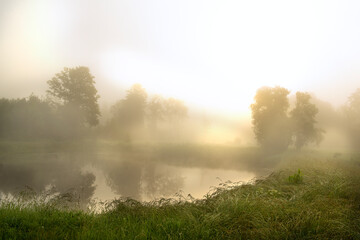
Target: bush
(296,178)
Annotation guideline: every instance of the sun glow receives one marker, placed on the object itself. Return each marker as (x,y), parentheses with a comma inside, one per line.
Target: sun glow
(221,67)
(212,55)
(206,89)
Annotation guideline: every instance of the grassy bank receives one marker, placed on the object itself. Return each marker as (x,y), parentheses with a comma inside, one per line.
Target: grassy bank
(323,203)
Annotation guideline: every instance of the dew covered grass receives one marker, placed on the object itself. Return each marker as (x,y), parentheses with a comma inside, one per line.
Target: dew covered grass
(325,204)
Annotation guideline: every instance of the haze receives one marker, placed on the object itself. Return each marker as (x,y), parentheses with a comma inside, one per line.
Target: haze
(186,119)
(211,54)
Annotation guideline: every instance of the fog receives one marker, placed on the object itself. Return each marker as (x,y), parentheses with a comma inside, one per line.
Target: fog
(224,50)
(146,100)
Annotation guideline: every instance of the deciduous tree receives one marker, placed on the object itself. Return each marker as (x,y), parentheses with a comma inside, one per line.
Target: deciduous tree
(130,112)
(269,118)
(304,123)
(74,88)
(352,118)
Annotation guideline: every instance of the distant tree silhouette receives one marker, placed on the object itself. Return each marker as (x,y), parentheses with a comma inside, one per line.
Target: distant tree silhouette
(174,110)
(130,112)
(163,116)
(74,89)
(303,120)
(352,114)
(170,110)
(26,118)
(155,111)
(269,118)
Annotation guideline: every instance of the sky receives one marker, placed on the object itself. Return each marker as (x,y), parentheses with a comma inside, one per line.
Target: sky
(211,54)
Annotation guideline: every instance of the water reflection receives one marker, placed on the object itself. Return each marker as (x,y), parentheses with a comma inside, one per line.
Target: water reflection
(38,176)
(111,178)
(151,181)
(160,181)
(138,180)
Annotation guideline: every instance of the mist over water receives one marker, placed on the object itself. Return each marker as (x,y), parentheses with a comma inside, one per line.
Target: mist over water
(155,147)
(89,178)
(148,147)
(113,100)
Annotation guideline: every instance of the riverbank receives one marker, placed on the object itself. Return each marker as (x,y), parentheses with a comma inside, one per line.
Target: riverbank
(320,202)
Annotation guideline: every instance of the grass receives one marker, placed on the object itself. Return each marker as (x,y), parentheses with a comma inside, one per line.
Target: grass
(296,178)
(325,204)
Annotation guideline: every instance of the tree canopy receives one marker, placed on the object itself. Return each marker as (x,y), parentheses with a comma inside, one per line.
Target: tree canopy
(352,111)
(303,120)
(155,111)
(130,111)
(74,88)
(274,129)
(269,118)
(26,118)
(175,110)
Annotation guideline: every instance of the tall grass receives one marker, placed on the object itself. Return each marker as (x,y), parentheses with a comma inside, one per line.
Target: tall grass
(324,205)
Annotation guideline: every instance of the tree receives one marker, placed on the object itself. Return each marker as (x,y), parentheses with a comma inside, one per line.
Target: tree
(175,110)
(165,117)
(27,118)
(74,88)
(169,110)
(155,111)
(130,112)
(303,120)
(269,118)
(352,117)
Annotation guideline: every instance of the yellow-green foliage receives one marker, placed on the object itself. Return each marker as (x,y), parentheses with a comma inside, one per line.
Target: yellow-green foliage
(296,178)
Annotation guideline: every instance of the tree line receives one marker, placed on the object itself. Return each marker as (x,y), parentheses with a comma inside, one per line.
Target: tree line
(276,128)
(70,109)
(138,116)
